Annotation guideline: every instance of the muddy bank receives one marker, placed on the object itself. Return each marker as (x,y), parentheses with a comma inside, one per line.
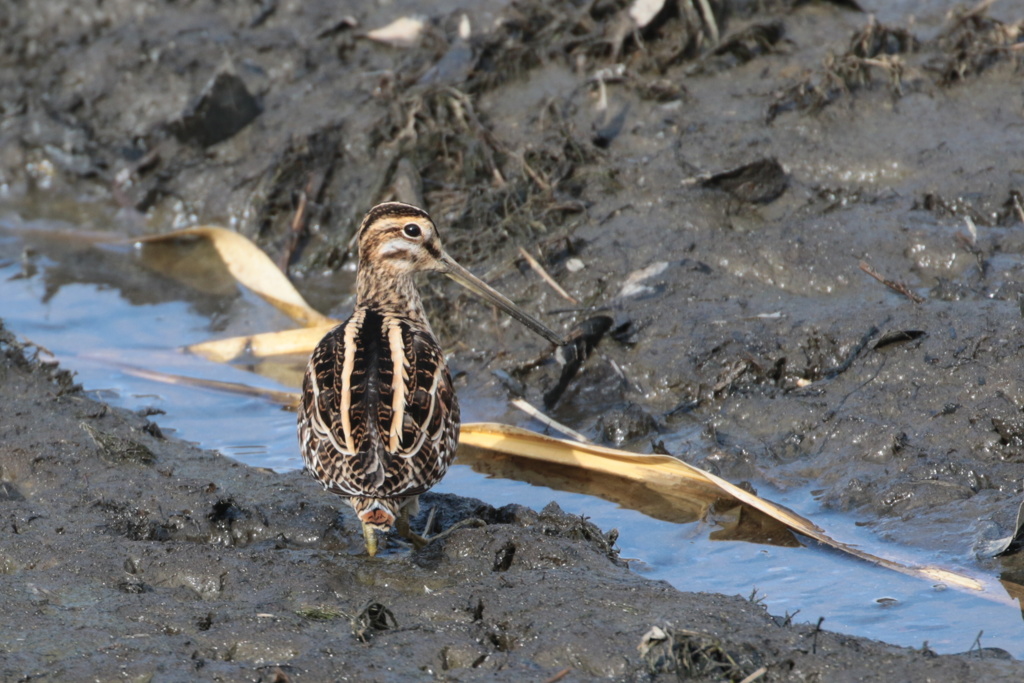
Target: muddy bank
(128,555)
(712,183)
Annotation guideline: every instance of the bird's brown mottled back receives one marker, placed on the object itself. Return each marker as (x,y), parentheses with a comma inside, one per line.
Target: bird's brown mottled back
(379,420)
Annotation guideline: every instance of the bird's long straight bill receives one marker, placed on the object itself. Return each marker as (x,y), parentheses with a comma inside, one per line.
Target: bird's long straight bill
(485,291)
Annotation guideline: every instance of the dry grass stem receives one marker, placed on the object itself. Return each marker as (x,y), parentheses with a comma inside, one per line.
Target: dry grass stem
(894,285)
(539,269)
(756,675)
(548,422)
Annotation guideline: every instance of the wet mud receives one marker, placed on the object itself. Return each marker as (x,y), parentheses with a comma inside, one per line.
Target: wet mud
(804,222)
(128,555)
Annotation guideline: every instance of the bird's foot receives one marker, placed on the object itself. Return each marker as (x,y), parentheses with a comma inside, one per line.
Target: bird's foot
(402,526)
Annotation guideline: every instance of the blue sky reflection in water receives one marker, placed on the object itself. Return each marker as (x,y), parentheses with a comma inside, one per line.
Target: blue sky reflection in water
(93,329)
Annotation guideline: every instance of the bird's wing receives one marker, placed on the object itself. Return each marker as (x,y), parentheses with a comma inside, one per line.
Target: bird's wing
(380,408)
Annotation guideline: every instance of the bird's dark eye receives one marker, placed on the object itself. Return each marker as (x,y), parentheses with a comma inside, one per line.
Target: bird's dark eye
(412,230)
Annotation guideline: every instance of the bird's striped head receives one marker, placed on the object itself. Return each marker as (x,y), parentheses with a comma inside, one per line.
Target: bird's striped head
(399,239)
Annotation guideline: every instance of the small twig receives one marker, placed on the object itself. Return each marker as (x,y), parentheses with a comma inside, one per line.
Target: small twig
(894,285)
(1018,207)
(694,180)
(429,526)
(817,630)
(539,269)
(980,8)
(972,230)
(602,96)
(298,224)
(852,355)
(545,420)
(956,18)
(544,185)
(467,112)
(560,675)
(313,188)
(709,20)
(977,643)
(756,675)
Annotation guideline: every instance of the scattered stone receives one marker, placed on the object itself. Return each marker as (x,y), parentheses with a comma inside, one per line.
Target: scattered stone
(223,109)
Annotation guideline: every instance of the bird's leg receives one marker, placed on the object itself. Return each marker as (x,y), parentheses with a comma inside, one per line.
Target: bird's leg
(404,530)
(469,522)
(370,536)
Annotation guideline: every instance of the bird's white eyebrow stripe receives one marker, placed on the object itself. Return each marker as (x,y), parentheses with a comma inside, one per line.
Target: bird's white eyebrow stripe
(395,246)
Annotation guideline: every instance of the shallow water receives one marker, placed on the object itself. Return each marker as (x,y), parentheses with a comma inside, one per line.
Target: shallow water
(99,311)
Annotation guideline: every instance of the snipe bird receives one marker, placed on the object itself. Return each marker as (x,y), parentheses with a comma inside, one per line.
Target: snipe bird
(379,419)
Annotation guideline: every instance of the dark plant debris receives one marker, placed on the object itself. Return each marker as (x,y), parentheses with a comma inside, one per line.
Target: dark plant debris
(758,182)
